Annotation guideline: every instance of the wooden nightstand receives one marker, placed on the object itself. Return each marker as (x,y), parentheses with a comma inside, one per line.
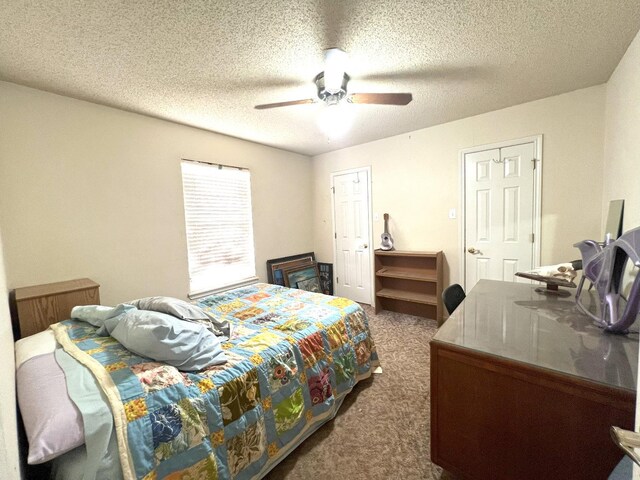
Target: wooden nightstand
(39,306)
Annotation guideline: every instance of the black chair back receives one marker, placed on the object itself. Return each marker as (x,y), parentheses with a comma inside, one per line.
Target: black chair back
(452,296)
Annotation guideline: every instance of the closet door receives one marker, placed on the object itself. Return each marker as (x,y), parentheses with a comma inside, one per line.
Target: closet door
(352,234)
(499,213)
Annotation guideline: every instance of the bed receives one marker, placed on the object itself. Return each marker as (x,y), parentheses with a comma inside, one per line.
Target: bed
(291,357)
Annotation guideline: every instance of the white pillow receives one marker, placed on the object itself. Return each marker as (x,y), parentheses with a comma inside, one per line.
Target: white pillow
(52,421)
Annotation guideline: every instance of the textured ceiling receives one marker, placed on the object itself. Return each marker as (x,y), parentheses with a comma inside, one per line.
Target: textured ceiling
(207,63)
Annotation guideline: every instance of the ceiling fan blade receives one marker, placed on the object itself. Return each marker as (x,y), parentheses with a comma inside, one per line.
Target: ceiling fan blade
(380,98)
(285,104)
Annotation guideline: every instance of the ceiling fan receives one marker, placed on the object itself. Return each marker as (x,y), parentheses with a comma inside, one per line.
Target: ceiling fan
(332,87)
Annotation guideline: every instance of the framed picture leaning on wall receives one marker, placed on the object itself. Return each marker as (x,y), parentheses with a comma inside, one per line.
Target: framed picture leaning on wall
(277,266)
(325,270)
(305,278)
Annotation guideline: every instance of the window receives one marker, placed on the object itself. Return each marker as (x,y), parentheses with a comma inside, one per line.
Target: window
(217,208)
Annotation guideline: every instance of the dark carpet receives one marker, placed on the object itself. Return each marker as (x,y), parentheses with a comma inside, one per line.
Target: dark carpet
(382,429)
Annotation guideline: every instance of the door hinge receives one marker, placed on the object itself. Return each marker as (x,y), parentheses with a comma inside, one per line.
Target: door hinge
(335,235)
(533,237)
(337,280)
(333,190)
(534,161)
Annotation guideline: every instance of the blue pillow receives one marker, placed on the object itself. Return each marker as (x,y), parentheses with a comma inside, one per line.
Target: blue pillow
(97,315)
(184,311)
(185,345)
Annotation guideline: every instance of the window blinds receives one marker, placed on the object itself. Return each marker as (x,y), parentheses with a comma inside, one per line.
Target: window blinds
(217,207)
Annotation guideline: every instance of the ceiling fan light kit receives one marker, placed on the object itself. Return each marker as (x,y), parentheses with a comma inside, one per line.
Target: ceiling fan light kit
(331,97)
(335,63)
(336,121)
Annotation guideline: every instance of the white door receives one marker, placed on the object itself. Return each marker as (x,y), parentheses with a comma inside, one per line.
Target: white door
(499,213)
(352,234)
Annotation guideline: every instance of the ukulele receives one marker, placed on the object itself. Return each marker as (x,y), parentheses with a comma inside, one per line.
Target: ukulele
(386,238)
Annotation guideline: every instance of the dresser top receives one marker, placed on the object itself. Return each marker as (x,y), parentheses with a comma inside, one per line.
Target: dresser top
(36,291)
(514,322)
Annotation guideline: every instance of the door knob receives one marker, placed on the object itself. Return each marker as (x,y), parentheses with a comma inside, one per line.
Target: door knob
(364,246)
(473,250)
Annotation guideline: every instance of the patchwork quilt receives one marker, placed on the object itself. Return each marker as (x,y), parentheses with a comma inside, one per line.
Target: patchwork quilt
(292,356)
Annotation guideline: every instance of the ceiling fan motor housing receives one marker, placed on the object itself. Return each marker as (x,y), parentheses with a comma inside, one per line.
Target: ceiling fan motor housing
(328,97)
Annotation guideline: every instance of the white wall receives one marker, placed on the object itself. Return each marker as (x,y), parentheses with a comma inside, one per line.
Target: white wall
(622,136)
(92,191)
(416,176)
(622,148)
(9,463)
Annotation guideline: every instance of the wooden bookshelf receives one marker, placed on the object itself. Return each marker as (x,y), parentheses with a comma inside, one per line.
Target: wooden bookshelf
(409,282)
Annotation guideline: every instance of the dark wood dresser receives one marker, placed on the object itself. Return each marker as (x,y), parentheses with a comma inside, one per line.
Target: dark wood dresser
(523,386)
